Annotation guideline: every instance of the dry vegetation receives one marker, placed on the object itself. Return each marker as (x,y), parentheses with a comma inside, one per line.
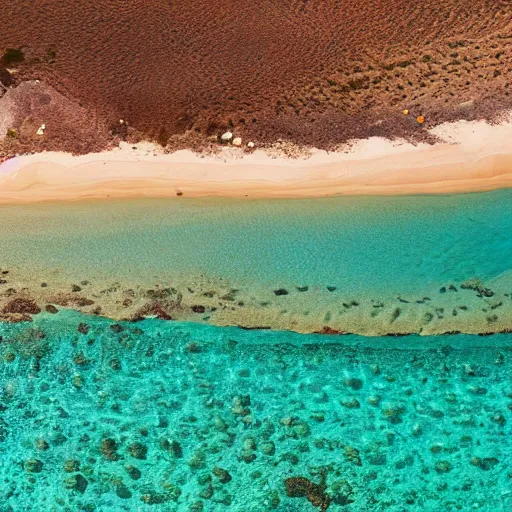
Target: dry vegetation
(310,71)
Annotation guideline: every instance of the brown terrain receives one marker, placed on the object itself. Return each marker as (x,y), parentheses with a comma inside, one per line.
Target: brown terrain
(313,72)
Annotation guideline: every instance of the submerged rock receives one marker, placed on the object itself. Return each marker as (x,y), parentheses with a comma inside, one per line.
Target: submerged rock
(133,472)
(342,493)
(485,463)
(22,306)
(301,487)
(138,451)
(222,474)
(77,483)
(109,449)
(33,466)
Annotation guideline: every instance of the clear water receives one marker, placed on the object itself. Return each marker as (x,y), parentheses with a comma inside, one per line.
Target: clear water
(164,416)
(361,245)
(186,417)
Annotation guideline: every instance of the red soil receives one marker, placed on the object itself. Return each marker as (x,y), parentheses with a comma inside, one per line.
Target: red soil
(311,71)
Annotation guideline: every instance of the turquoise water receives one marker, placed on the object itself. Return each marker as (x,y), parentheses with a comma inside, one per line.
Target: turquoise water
(360,245)
(172,416)
(164,416)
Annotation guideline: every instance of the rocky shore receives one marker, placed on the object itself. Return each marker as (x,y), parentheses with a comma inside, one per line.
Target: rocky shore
(468,307)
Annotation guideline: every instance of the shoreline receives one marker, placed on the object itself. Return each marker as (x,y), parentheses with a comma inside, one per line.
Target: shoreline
(471,157)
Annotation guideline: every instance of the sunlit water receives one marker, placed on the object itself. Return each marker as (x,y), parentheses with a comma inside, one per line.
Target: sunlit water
(168,416)
(360,245)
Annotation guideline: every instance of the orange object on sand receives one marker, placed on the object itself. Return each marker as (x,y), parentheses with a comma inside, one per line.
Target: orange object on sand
(420,119)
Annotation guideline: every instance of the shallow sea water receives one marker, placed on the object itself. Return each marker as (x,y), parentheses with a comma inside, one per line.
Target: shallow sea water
(363,246)
(165,416)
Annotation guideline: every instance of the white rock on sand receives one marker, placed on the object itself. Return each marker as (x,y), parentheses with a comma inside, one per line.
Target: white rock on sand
(237,141)
(226,136)
(41,129)
(250,144)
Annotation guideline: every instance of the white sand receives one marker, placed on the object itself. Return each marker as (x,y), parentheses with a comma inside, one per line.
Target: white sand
(472,157)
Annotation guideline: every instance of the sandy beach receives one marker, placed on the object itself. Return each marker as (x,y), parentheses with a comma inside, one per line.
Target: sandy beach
(470,157)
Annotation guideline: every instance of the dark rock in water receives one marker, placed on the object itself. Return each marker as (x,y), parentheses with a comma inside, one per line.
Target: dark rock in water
(50,308)
(109,449)
(194,348)
(133,472)
(396,313)
(442,290)
(71,466)
(138,450)
(44,285)
(33,466)
(281,291)
(83,301)
(255,327)
(80,359)
(197,506)
(222,474)
(156,498)
(76,483)
(342,493)
(22,306)
(151,309)
(352,403)
(478,287)
(302,288)
(485,463)
(173,447)
(115,363)
(117,328)
(198,309)
(331,288)
(123,492)
(42,444)
(354,383)
(268,448)
(58,439)
(352,454)
(230,296)
(452,288)
(76,288)
(83,328)
(328,330)
(301,487)
(443,466)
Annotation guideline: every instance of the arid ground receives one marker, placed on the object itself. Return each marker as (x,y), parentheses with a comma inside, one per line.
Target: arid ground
(313,72)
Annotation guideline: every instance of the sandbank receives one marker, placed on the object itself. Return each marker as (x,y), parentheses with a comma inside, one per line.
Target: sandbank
(470,157)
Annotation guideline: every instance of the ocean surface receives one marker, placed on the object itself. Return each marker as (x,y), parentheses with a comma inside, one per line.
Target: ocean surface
(361,245)
(168,416)
(97,415)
